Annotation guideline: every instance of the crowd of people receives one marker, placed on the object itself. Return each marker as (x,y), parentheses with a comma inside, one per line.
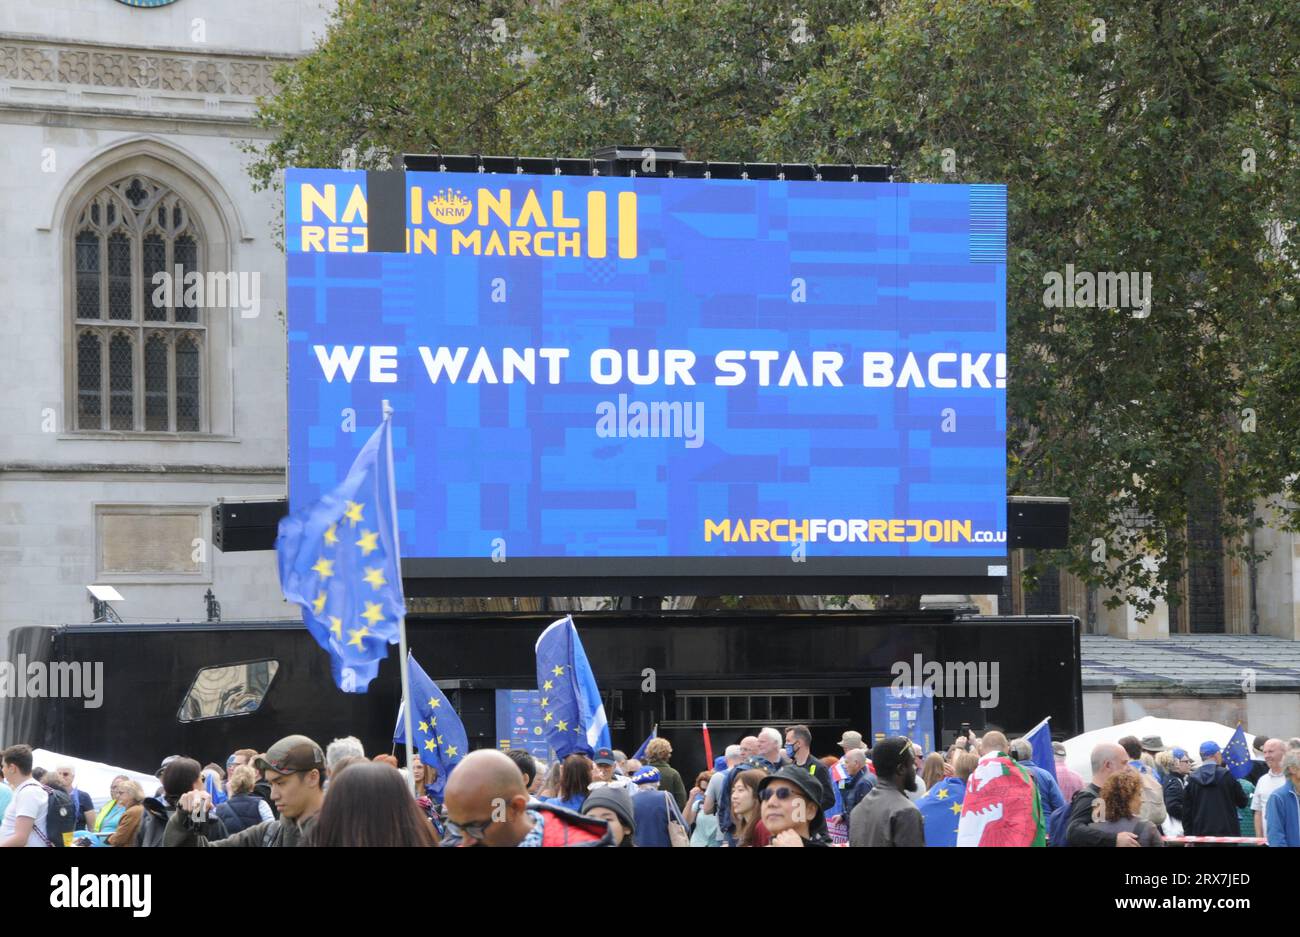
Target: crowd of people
(766,790)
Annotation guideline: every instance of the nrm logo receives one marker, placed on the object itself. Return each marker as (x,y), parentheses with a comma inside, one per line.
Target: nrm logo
(505,222)
(450,206)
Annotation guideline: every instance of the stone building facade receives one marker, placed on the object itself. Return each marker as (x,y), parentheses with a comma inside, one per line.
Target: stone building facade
(124,419)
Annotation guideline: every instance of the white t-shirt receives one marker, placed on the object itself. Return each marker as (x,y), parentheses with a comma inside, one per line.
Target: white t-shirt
(30,800)
(1264,789)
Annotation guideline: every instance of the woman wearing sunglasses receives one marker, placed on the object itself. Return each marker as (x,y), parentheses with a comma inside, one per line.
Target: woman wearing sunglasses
(790,804)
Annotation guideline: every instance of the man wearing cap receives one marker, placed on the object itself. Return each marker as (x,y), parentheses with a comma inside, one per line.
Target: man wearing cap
(791,809)
(887,816)
(603,765)
(1066,779)
(1212,797)
(295,768)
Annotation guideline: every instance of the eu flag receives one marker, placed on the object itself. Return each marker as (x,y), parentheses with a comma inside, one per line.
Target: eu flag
(571,708)
(639,755)
(1040,740)
(941,811)
(339,560)
(439,734)
(1236,754)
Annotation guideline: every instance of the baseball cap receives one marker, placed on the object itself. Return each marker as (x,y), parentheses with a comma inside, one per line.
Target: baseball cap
(291,754)
(1209,749)
(604,756)
(1179,753)
(646,775)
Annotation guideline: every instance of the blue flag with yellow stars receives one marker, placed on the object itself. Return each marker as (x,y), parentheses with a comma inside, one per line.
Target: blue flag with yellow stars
(439,734)
(941,811)
(1236,754)
(572,711)
(339,560)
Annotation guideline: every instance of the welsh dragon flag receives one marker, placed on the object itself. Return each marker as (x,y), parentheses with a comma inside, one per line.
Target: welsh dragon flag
(1001,806)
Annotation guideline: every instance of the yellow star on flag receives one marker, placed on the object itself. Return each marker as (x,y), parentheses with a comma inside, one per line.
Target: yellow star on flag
(434,702)
(424,727)
(433,722)
(545,702)
(368,542)
(353,513)
(562,726)
(942,793)
(374,613)
(324,567)
(319,604)
(429,745)
(336,627)
(375,577)
(440,740)
(956,808)
(548,685)
(558,670)
(331,537)
(548,718)
(358,634)
(451,751)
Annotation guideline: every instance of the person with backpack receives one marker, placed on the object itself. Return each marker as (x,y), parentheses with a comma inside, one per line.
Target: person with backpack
(1212,797)
(83,807)
(26,818)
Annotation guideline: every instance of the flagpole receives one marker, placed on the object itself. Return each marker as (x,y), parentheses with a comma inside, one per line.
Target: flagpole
(401,622)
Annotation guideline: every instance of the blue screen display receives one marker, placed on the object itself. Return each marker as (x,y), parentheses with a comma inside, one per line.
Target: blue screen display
(660,372)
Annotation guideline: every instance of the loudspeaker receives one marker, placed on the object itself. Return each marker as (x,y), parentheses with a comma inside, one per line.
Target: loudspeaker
(240,526)
(1038,523)
(477,708)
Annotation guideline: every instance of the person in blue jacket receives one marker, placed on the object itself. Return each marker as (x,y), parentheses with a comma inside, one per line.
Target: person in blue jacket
(1284,805)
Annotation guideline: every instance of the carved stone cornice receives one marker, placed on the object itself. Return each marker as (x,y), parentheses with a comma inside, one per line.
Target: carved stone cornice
(82,73)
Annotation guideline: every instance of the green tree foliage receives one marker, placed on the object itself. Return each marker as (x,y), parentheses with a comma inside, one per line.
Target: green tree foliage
(1150,136)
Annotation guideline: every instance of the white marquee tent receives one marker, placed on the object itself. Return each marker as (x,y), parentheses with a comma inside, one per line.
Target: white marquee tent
(1174,733)
(93,777)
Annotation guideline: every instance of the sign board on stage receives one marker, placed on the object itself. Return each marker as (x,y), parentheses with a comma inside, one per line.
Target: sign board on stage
(519,723)
(659,379)
(906,711)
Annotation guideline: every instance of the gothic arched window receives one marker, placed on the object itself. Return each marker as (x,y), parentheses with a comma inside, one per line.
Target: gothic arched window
(139,333)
